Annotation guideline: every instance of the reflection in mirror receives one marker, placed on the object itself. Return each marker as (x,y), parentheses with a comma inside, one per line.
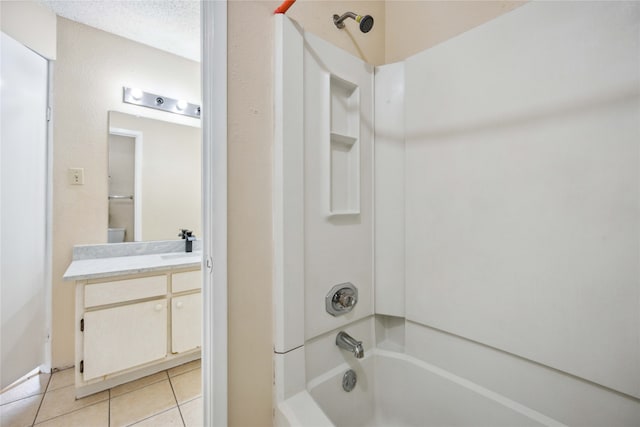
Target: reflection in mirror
(154,179)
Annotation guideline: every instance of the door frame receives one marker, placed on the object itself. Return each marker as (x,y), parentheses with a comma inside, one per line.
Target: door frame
(48,250)
(137,177)
(214,205)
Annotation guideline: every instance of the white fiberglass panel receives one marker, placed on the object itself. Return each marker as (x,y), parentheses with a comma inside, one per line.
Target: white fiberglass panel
(522,187)
(389,189)
(338,169)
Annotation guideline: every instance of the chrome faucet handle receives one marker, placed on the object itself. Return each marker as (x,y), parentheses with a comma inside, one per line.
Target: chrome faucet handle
(341,299)
(345,297)
(184,233)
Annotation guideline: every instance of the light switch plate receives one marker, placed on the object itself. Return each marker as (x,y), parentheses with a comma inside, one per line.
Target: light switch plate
(76,176)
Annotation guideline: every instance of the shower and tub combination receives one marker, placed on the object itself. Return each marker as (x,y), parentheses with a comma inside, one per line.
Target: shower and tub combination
(456,234)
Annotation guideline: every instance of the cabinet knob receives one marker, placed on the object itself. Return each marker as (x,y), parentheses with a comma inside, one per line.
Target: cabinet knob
(158,307)
(179,304)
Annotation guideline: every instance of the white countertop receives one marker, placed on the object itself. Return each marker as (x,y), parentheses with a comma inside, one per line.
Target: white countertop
(95,268)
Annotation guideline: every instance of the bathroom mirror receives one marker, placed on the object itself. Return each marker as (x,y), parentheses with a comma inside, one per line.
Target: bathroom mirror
(154,178)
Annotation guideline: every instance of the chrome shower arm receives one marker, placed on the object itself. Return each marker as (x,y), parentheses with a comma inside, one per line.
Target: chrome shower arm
(339,20)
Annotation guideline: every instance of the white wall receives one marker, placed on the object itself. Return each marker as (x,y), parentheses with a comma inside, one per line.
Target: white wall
(522,188)
(31,23)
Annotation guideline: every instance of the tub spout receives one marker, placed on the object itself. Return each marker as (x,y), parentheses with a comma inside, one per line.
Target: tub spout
(347,342)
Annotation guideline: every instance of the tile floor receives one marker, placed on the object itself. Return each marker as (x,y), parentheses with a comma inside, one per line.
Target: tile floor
(168,398)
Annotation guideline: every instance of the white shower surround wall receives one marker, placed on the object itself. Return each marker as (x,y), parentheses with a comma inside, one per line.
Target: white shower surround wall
(314,244)
(507,201)
(522,188)
(300,312)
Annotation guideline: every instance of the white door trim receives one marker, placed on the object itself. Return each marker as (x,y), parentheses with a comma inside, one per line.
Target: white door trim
(214,204)
(137,177)
(48,270)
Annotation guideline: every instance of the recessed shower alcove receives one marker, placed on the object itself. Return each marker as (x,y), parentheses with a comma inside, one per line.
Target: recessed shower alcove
(492,237)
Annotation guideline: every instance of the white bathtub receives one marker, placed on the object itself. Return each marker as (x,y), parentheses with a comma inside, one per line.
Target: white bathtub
(395,389)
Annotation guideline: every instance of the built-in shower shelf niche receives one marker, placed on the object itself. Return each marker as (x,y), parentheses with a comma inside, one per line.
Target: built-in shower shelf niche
(344,148)
(345,107)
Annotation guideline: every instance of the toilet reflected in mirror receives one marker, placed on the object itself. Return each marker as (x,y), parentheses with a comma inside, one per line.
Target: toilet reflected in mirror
(116,235)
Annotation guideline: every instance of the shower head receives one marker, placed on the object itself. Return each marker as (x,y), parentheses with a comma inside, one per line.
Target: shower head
(366,21)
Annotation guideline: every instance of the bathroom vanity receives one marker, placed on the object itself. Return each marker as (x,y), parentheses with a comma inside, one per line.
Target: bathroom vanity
(138,311)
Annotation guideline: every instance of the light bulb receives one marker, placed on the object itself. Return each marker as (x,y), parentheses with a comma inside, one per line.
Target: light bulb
(136,94)
(181,105)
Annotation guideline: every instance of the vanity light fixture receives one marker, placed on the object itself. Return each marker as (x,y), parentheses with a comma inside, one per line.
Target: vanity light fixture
(136,96)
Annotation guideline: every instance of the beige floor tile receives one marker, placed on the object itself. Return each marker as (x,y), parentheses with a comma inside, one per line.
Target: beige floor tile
(170,418)
(62,379)
(187,386)
(63,400)
(141,404)
(192,413)
(37,384)
(92,416)
(135,385)
(20,413)
(181,369)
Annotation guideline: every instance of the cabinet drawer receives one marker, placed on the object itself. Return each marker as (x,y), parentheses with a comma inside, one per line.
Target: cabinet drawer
(124,290)
(186,281)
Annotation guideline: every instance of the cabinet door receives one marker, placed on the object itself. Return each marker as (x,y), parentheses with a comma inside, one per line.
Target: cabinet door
(186,322)
(123,337)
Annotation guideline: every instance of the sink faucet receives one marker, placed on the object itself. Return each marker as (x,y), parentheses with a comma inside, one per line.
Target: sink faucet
(347,342)
(188,237)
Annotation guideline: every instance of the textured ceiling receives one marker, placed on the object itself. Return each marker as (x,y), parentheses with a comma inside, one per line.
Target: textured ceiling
(170,25)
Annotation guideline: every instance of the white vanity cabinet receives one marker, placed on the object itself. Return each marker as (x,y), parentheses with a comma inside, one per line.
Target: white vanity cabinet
(133,326)
(186,311)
